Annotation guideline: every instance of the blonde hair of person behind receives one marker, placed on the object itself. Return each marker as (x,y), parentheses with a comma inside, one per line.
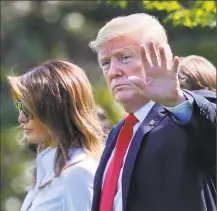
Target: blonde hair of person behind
(139,25)
(196,72)
(59,94)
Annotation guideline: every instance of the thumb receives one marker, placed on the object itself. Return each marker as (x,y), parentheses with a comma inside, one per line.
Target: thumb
(137,83)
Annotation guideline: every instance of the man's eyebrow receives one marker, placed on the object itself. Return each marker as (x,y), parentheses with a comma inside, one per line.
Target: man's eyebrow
(131,49)
(102,58)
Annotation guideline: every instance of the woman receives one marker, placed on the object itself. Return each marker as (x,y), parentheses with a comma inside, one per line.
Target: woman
(197,73)
(57,112)
(103,117)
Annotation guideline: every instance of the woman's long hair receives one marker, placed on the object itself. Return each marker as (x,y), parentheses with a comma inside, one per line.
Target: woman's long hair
(59,94)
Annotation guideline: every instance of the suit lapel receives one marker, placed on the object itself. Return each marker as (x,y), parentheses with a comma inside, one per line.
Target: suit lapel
(110,144)
(154,117)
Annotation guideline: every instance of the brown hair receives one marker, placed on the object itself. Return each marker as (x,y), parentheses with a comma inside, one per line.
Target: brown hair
(196,72)
(59,94)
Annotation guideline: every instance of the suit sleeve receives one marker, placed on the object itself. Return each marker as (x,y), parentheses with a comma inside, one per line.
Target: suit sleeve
(201,130)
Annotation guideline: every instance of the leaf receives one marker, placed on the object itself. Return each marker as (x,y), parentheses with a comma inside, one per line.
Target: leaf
(198,13)
(122,4)
(209,6)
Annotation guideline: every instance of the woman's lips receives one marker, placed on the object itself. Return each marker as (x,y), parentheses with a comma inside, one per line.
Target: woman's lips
(26,130)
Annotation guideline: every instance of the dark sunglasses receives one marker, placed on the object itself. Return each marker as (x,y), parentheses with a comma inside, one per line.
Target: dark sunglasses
(24,109)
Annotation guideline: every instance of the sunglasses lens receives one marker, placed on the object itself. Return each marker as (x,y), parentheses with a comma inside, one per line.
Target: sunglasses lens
(24,109)
(19,107)
(27,112)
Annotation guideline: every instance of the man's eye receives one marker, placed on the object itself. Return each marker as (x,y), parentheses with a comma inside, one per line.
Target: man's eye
(125,58)
(105,64)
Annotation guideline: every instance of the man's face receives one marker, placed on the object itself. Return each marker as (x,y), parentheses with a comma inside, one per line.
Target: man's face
(119,58)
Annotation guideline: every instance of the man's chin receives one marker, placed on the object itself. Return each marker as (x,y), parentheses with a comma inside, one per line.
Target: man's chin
(122,99)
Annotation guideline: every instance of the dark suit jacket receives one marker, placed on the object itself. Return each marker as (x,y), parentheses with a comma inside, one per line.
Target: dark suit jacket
(169,166)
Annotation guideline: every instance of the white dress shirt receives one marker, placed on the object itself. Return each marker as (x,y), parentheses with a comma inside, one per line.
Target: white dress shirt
(181,112)
(72,191)
(140,115)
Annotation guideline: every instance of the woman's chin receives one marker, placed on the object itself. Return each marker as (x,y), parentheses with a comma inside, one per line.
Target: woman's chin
(31,140)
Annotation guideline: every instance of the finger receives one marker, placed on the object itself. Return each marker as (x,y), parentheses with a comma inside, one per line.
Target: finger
(163,58)
(153,54)
(144,58)
(175,65)
(137,83)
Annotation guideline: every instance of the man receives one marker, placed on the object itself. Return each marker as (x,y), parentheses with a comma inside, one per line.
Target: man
(160,156)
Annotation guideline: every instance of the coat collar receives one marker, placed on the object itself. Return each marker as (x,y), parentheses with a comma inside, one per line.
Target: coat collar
(45,170)
(110,144)
(154,117)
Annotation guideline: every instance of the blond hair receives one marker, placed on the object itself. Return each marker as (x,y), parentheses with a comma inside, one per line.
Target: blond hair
(141,24)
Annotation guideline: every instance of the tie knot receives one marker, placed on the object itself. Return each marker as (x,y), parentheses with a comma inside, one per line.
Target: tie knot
(131,120)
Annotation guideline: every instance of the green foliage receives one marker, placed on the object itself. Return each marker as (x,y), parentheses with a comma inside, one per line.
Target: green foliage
(104,98)
(15,170)
(189,14)
(35,31)
(121,4)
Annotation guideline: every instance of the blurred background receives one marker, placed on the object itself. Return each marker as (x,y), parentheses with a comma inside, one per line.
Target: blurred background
(35,31)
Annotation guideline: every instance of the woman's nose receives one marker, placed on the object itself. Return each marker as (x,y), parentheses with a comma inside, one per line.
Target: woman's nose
(22,118)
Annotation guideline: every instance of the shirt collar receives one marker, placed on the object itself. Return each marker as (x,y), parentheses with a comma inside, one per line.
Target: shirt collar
(142,112)
(46,160)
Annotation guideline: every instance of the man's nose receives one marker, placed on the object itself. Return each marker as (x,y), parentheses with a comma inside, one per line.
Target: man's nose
(115,68)
(22,118)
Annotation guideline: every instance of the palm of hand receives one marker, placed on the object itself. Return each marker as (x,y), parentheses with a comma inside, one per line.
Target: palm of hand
(161,79)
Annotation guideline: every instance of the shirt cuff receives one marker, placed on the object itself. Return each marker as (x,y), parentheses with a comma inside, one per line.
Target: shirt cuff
(183,111)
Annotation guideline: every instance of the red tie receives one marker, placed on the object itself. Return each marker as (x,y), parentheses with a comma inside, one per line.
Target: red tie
(112,174)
